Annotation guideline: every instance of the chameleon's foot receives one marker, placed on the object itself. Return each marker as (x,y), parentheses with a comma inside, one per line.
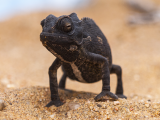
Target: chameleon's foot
(57,103)
(104,93)
(121,96)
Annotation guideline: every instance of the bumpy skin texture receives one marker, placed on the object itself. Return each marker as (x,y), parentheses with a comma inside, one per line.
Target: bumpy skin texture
(83,52)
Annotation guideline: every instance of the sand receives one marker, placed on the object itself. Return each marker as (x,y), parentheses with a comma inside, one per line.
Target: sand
(25,62)
(29,103)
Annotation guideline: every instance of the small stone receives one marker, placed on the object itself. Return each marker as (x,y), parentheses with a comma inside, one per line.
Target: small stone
(106,112)
(101,112)
(147,105)
(115,109)
(75,100)
(136,113)
(99,105)
(155,106)
(69,114)
(10,86)
(88,101)
(145,116)
(108,118)
(105,118)
(131,109)
(149,96)
(91,107)
(31,94)
(73,106)
(96,109)
(1,105)
(116,103)
(36,106)
(52,108)
(104,106)
(52,116)
(141,101)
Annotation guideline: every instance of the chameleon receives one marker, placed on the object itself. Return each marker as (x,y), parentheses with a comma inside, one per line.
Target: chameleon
(83,52)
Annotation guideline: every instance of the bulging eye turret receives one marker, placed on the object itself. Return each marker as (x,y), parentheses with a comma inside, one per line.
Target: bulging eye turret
(66,25)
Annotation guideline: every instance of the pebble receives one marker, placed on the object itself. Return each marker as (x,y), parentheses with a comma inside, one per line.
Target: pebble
(75,100)
(10,86)
(52,116)
(131,109)
(155,106)
(91,107)
(104,106)
(116,103)
(115,109)
(149,96)
(74,106)
(96,109)
(69,114)
(88,101)
(36,106)
(147,105)
(108,118)
(101,112)
(99,105)
(1,105)
(31,94)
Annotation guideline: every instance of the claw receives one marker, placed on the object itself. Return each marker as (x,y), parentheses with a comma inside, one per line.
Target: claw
(121,96)
(57,103)
(108,93)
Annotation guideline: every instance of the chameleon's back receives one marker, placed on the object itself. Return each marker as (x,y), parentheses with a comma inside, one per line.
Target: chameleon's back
(98,43)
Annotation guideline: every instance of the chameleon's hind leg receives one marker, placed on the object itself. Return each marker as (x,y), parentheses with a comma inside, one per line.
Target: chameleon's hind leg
(118,71)
(62,82)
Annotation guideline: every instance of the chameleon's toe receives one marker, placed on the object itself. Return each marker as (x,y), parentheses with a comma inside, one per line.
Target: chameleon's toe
(57,103)
(121,96)
(104,93)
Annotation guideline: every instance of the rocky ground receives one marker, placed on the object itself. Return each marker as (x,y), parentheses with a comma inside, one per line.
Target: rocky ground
(25,62)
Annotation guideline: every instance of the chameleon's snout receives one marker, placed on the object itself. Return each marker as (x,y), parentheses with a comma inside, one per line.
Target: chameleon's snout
(42,37)
(47,36)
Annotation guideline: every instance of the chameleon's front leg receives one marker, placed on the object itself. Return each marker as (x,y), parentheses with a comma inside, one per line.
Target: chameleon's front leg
(105,75)
(55,100)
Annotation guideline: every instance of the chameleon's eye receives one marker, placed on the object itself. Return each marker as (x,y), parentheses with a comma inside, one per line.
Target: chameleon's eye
(66,25)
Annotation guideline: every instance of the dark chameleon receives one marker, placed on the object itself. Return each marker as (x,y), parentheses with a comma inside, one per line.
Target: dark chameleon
(83,52)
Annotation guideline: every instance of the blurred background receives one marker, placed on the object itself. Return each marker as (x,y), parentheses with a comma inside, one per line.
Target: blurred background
(132,28)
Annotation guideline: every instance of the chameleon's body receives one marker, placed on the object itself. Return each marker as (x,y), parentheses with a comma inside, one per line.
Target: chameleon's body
(83,52)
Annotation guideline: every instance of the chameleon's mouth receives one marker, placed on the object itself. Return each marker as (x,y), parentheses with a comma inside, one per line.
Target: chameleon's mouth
(58,39)
(54,38)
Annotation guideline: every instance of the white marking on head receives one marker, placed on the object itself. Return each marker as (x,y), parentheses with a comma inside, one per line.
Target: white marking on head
(73,47)
(100,40)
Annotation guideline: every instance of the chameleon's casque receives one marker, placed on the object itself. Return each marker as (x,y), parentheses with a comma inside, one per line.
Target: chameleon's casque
(83,52)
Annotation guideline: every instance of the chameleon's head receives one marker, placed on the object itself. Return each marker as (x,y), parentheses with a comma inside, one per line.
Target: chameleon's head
(62,35)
